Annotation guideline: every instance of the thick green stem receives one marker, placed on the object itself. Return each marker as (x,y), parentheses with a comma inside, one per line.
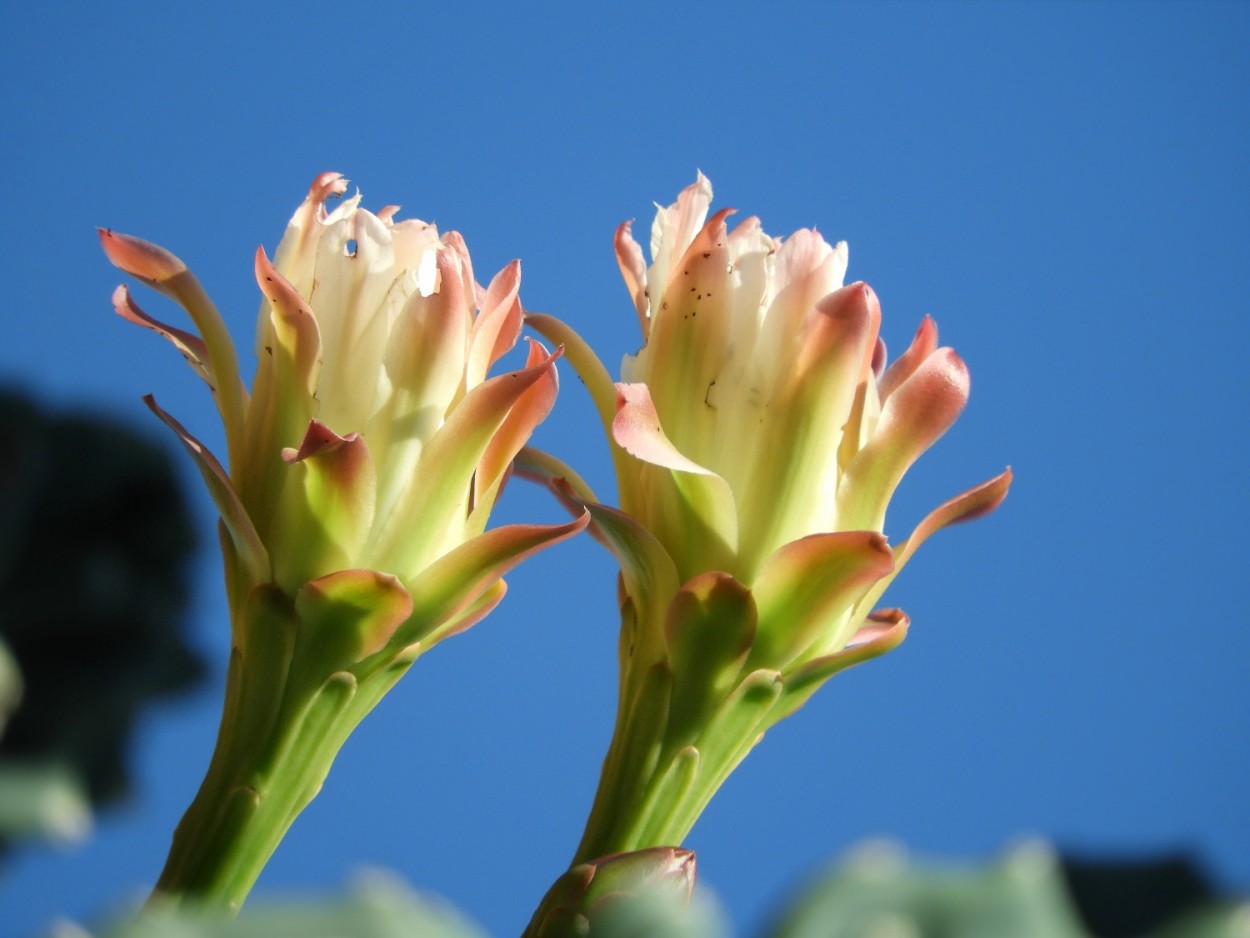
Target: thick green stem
(662,770)
(275,747)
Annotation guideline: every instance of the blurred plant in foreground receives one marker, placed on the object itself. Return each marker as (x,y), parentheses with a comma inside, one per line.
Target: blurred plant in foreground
(363,467)
(757,438)
(95,567)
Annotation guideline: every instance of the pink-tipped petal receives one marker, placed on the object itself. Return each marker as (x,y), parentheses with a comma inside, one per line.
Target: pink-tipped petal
(637,430)
(252,556)
(922,346)
(295,326)
(474,613)
(498,324)
(634,271)
(530,409)
(189,344)
(166,273)
(142,259)
(319,440)
(325,186)
(918,412)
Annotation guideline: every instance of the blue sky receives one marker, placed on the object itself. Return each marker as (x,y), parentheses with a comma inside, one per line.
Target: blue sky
(1064,187)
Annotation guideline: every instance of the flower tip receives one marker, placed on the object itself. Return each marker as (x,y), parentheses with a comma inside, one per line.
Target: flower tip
(139,258)
(327,185)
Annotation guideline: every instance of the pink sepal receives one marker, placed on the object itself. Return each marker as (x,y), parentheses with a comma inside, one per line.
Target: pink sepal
(190,345)
(149,262)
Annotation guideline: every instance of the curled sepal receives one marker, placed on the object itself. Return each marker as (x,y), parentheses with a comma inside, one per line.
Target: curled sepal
(711,517)
(584,361)
(648,572)
(807,589)
(250,554)
(347,616)
(589,896)
(453,584)
(884,630)
(561,479)
(966,506)
(165,272)
(190,345)
(710,627)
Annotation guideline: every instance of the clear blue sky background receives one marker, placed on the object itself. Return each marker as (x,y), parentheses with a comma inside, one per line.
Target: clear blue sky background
(1065,187)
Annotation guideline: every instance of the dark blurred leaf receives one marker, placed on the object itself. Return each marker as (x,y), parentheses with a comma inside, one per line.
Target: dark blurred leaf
(95,544)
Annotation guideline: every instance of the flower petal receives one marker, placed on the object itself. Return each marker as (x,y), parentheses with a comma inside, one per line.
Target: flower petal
(164,272)
(530,409)
(297,253)
(190,345)
(922,346)
(497,325)
(789,486)
(151,263)
(457,580)
(919,411)
(807,590)
(711,518)
(438,494)
(634,271)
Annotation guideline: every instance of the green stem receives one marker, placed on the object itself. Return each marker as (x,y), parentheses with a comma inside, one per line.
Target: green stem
(275,747)
(662,769)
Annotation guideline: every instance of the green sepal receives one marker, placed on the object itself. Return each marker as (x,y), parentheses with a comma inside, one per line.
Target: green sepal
(807,589)
(346,617)
(884,632)
(709,629)
(733,730)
